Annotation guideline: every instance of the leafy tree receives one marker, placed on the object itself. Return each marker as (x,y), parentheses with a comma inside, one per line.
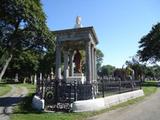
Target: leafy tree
(25,64)
(139,69)
(156,69)
(99,56)
(47,62)
(22,27)
(149,72)
(107,70)
(150,45)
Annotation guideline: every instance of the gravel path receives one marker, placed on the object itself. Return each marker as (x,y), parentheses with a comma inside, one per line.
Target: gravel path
(149,109)
(8,101)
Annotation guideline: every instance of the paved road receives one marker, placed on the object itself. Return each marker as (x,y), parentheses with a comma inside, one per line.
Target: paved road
(149,109)
(9,100)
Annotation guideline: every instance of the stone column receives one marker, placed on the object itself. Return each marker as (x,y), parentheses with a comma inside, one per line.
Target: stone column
(65,64)
(71,69)
(58,62)
(95,64)
(88,62)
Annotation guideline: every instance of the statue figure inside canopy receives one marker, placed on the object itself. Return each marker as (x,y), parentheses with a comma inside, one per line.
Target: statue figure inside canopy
(77,61)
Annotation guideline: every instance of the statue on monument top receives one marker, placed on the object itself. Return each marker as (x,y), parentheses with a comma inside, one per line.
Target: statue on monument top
(78,22)
(77,61)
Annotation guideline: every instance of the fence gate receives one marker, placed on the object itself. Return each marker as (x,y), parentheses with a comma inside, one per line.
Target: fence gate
(58,95)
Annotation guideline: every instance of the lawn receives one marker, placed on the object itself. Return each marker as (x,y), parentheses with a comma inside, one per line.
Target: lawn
(25,112)
(4,88)
(31,88)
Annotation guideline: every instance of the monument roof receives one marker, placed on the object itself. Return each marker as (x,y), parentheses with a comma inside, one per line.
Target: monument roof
(78,30)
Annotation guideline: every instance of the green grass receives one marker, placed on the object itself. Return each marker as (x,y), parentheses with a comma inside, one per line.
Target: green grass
(4,88)
(31,88)
(150,83)
(25,112)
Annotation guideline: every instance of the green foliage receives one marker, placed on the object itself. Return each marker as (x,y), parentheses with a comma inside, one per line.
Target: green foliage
(47,62)
(22,28)
(107,70)
(25,64)
(156,69)
(139,69)
(99,56)
(152,71)
(150,45)
(4,88)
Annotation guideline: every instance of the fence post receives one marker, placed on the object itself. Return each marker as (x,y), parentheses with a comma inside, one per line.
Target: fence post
(132,87)
(43,85)
(75,91)
(70,95)
(56,93)
(102,87)
(120,85)
(140,84)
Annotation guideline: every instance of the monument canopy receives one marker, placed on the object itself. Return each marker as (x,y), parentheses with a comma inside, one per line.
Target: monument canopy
(76,38)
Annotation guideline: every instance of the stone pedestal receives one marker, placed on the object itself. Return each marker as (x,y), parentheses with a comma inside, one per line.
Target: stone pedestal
(78,77)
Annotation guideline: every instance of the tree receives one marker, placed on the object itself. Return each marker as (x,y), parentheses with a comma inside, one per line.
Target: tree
(22,27)
(107,70)
(47,62)
(149,72)
(150,45)
(156,69)
(99,60)
(139,69)
(25,64)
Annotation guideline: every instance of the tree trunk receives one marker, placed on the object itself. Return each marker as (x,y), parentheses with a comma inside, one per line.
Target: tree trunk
(5,66)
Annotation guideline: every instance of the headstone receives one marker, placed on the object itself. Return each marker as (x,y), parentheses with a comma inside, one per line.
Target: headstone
(32,82)
(52,74)
(35,79)
(40,76)
(16,77)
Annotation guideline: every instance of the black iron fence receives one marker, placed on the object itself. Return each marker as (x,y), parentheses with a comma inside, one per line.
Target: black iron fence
(107,88)
(59,95)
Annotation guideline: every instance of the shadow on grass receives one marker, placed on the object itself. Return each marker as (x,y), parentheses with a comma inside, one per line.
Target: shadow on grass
(11,82)
(151,84)
(9,101)
(25,106)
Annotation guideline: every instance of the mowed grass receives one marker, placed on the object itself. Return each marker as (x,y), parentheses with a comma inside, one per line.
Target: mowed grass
(4,89)
(31,88)
(25,112)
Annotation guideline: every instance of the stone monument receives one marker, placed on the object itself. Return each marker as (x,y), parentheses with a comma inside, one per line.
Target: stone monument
(70,42)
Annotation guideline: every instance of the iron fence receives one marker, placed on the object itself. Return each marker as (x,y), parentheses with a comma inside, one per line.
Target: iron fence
(116,86)
(59,95)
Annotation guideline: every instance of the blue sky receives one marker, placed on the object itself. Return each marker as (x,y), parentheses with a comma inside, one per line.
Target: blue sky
(119,24)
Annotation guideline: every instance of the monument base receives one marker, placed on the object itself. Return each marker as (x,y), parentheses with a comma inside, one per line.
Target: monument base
(78,77)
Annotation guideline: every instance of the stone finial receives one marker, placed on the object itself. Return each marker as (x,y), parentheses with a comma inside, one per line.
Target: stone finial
(78,22)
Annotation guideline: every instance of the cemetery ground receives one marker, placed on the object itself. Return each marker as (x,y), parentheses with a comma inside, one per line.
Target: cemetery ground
(4,88)
(24,111)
